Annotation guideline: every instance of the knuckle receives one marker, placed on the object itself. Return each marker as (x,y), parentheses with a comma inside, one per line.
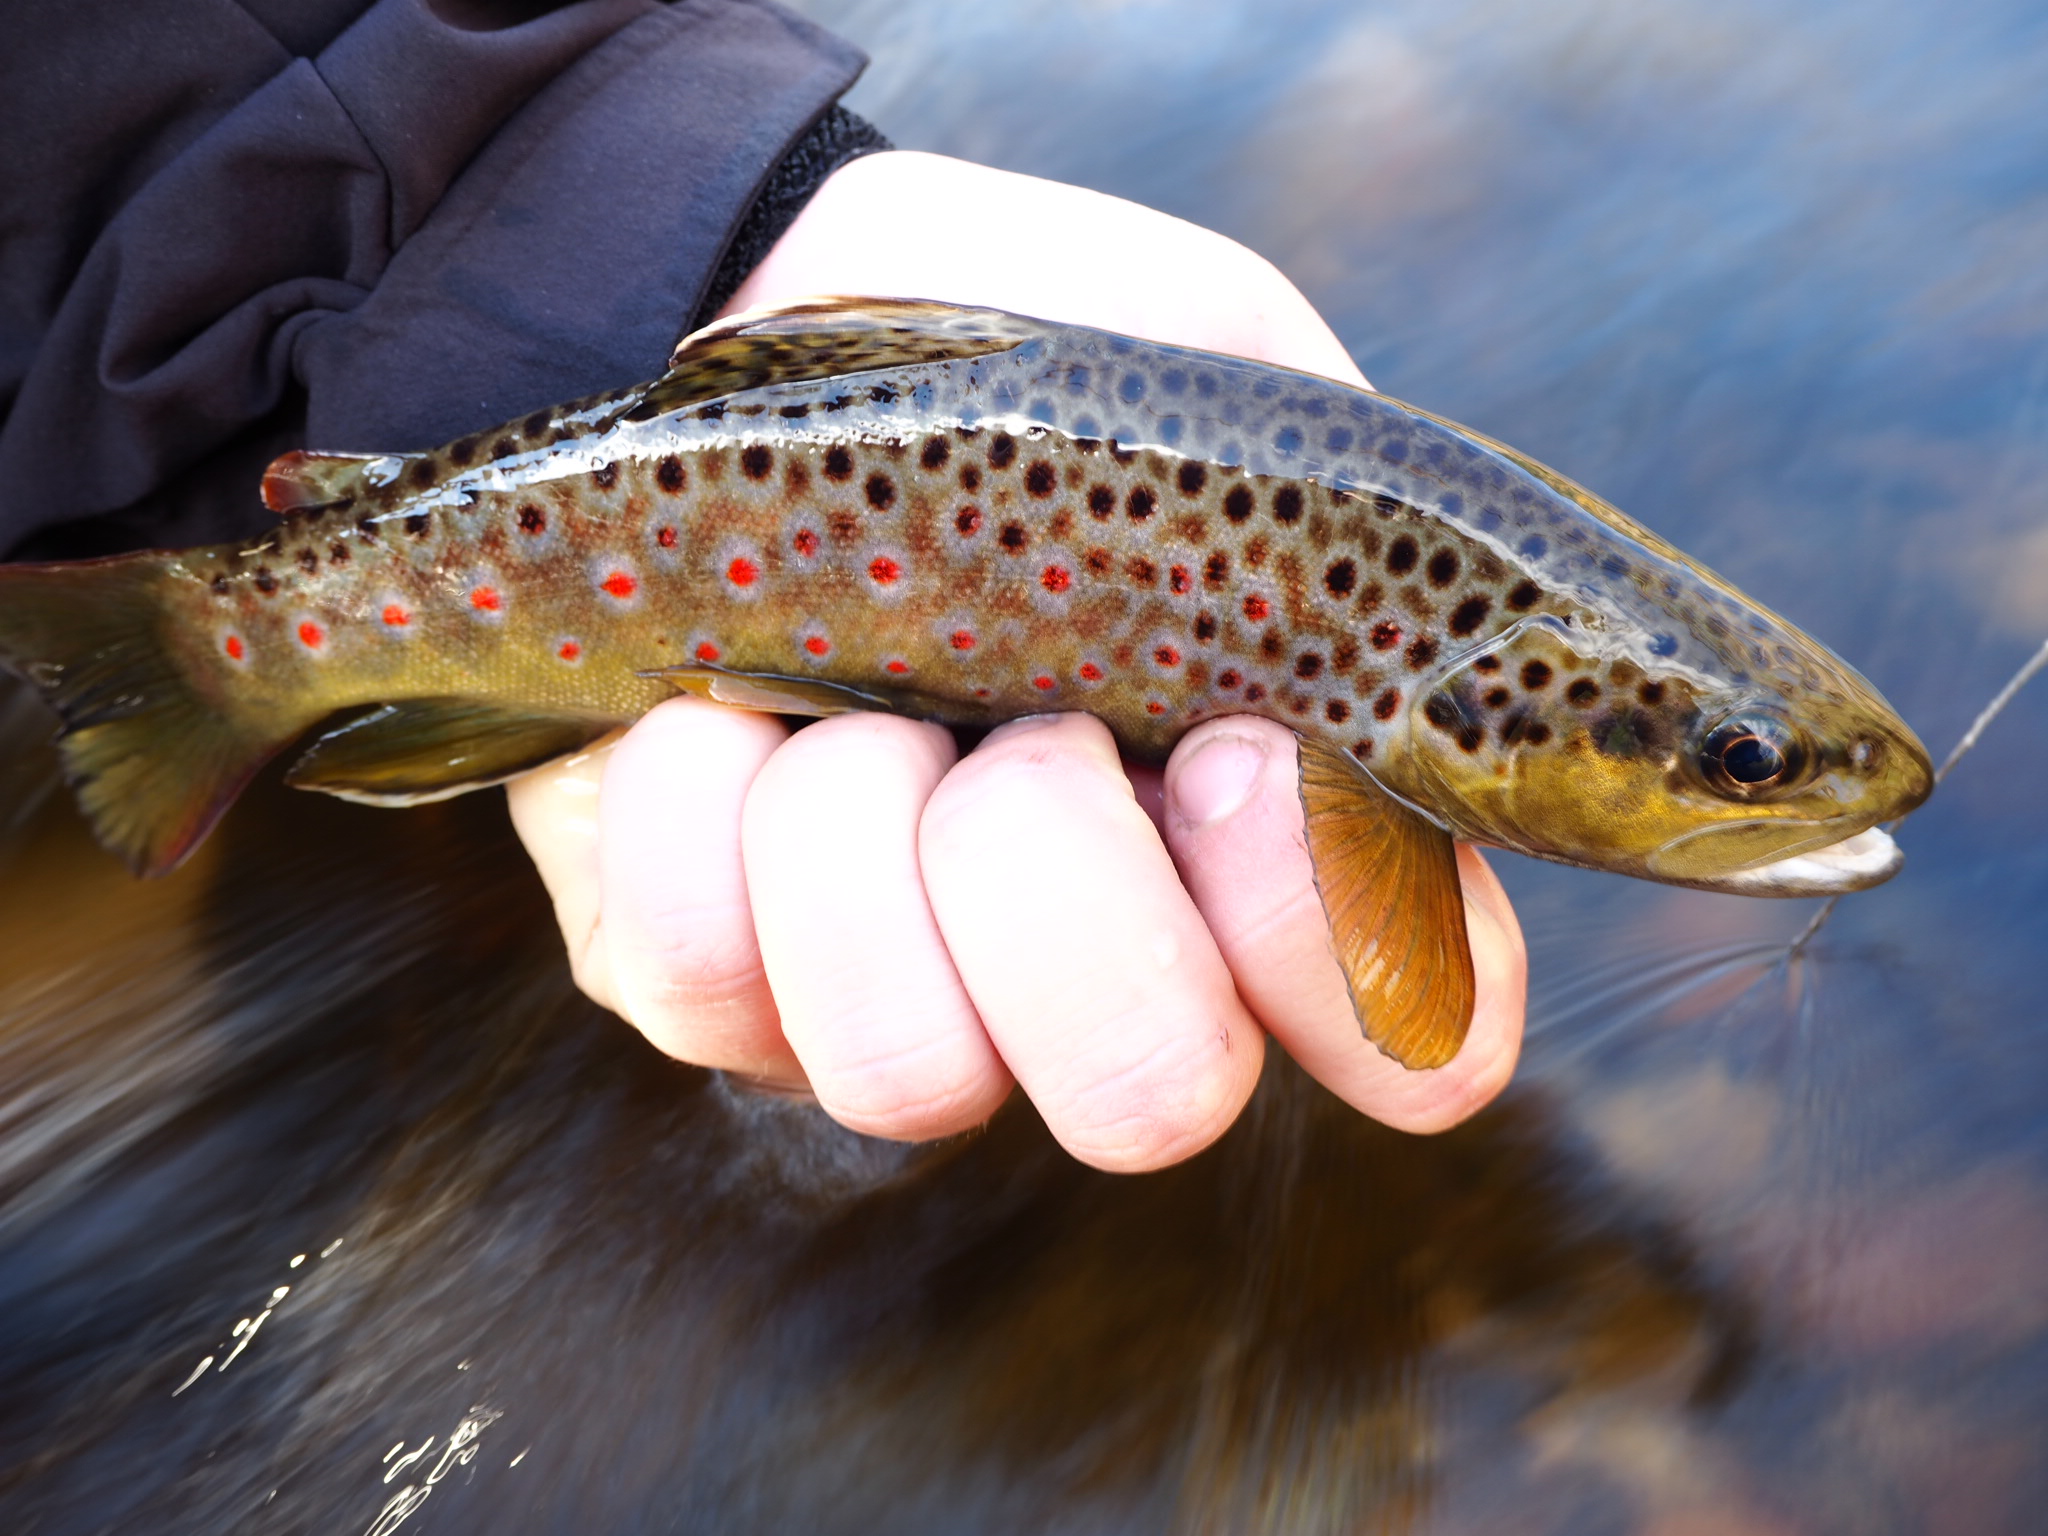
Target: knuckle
(844,761)
(1033,778)
(707,955)
(704,973)
(1167,1105)
(903,1113)
(690,980)
(921,1089)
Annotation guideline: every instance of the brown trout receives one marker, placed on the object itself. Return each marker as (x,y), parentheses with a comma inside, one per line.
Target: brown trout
(968,516)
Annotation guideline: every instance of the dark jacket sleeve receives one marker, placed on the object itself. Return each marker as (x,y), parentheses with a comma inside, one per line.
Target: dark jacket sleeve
(377,230)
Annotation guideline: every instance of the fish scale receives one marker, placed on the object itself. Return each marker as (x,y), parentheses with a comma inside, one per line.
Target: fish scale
(970,516)
(890,531)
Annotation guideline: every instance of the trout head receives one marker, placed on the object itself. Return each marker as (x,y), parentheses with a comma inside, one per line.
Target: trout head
(1571,740)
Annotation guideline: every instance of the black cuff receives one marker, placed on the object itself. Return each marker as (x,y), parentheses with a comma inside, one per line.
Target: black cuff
(836,138)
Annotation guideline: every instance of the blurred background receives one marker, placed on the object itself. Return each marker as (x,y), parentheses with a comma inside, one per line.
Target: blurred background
(326,1205)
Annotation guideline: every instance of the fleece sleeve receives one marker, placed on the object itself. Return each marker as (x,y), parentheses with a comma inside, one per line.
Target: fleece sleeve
(441,216)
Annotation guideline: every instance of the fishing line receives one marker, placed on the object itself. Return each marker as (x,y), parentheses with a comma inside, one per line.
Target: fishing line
(1626,993)
(1989,713)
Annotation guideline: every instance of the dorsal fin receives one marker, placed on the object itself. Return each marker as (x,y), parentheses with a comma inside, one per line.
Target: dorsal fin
(300,481)
(818,338)
(810,339)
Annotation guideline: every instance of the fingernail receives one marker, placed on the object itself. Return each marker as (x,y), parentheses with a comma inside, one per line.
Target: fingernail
(1218,779)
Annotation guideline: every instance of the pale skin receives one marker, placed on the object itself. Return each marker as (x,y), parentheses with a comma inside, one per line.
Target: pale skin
(857,911)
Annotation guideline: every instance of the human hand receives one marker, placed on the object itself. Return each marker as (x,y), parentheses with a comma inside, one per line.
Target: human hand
(857,909)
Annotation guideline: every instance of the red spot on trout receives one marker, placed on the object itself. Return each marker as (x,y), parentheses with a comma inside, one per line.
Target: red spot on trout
(396,616)
(312,636)
(817,645)
(883,570)
(620,584)
(1055,578)
(741,572)
(707,652)
(963,639)
(234,647)
(1256,608)
(486,600)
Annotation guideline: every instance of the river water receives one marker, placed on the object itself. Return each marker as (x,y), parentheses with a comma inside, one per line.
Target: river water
(325,1205)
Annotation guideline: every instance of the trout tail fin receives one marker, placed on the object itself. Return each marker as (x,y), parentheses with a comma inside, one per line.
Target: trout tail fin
(152,764)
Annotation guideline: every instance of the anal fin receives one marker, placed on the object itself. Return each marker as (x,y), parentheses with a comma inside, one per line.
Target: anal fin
(429,749)
(1389,884)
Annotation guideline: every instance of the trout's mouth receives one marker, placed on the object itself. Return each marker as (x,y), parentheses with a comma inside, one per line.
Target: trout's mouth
(1856,863)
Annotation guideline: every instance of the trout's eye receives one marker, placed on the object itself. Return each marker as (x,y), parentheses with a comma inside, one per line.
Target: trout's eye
(1750,755)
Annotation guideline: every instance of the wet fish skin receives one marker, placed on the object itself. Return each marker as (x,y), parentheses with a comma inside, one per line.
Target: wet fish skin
(970,516)
(1075,521)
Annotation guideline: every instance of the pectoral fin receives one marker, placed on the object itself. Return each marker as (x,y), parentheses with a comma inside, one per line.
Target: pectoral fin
(775,694)
(768,692)
(1389,883)
(430,749)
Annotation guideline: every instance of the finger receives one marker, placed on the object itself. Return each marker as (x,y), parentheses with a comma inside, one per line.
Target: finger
(1234,823)
(674,938)
(868,996)
(1086,960)
(554,811)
